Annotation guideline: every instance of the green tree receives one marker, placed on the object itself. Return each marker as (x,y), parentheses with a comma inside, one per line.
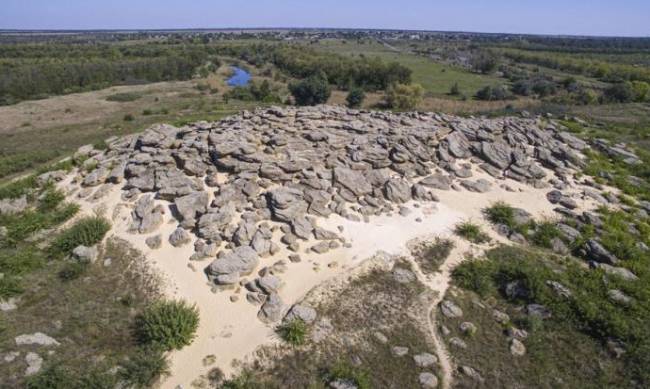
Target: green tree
(455,90)
(404,97)
(485,62)
(355,97)
(311,91)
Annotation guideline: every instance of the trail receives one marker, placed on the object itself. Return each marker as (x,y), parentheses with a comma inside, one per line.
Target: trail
(439,283)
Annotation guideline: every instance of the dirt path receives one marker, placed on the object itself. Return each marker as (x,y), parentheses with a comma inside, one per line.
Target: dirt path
(439,282)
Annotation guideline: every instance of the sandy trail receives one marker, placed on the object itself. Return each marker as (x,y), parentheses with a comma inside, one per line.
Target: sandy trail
(230,331)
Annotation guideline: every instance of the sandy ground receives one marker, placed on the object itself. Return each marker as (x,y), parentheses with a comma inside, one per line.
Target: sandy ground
(230,331)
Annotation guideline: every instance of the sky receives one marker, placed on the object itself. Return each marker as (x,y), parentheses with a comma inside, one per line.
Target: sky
(558,17)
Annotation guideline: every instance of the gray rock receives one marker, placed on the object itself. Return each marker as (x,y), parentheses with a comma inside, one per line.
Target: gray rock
(436,181)
(425,360)
(428,380)
(341,383)
(147,216)
(272,309)
(538,310)
(479,186)
(397,190)
(269,284)
(596,252)
(497,153)
(457,343)
(13,206)
(85,254)
(241,261)
(190,207)
(517,348)
(471,373)
(352,180)
(450,310)
(619,297)
(559,289)
(179,237)
(34,363)
(37,338)
(302,312)
(621,272)
(9,304)
(399,351)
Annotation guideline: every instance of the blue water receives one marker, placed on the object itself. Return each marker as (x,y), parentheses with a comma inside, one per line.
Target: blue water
(240,77)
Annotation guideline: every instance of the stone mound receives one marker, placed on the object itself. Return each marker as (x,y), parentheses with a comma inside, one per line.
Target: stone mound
(233,183)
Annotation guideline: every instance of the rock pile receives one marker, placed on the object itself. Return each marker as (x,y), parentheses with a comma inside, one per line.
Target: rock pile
(232,185)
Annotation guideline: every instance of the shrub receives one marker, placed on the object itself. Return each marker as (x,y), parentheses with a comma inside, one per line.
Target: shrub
(355,98)
(404,97)
(544,233)
(500,213)
(492,93)
(147,112)
(434,253)
(485,62)
(144,367)
(50,199)
(124,97)
(87,232)
(293,332)
(129,117)
(72,271)
(311,91)
(620,92)
(455,90)
(53,377)
(345,371)
(471,232)
(170,325)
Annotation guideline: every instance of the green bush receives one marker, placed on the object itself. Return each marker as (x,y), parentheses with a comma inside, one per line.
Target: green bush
(170,325)
(293,332)
(50,200)
(144,367)
(471,232)
(346,371)
(124,97)
(311,91)
(500,213)
(544,233)
(129,117)
(72,271)
(53,377)
(355,98)
(86,232)
(493,93)
(404,97)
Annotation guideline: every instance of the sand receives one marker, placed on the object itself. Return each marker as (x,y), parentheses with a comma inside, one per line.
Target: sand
(230,331)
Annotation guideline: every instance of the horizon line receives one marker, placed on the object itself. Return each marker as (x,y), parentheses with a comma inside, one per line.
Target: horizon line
(55,30)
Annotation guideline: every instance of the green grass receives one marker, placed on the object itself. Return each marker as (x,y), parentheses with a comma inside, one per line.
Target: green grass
(86,232)
(126,97)
(588,310)
(500,213)
(436,78)
(170,325)
(433,254)
(472,232)
(294,332)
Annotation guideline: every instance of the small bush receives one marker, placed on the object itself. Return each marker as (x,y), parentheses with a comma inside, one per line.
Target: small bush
(87,232)
(404,97)
(311,91)
(493,93)
(124,97)
(144,367)
(147,112)
(293,332)
(471,232)
(355,98)
(544,233)
(500,213)
(129,117)
(54,377)
(455,90)
(475,275)
(170,325)
(72,271)
(345,371)
(50,200)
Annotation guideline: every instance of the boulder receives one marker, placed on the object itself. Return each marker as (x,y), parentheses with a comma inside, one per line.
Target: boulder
(191,207)
(179,237)
(450,310)
(397,190)
(428,380)
(227,270)
(85,254)
(302,312)
(272,309)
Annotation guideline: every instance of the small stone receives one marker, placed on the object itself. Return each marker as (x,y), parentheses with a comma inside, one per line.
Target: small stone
(234,298)
(468,328)
(428,380)
(425,360)
(34,363)
(450,310)
(517,348)
(399,351)
(154,242)
(381,338)
(458,343)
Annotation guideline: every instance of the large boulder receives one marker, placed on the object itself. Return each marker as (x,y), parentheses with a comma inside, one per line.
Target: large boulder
(352,180)
(227,270)
(397,190)
(190,207)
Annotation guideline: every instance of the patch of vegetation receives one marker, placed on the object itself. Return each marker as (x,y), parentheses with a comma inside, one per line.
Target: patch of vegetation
(500,213)
(404,97)
(515,276)
(431,255)
(544,234)
(144,367)
(170,325)
(86,232)
(471,232)
(371,303)
(355,98)
(311,91)
(293,332)
(125,97)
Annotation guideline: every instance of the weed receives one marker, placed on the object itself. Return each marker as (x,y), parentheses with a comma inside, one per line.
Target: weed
(170,325)
(500,213)
(144,367)
(86,232)
(293,332)
(471,232)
